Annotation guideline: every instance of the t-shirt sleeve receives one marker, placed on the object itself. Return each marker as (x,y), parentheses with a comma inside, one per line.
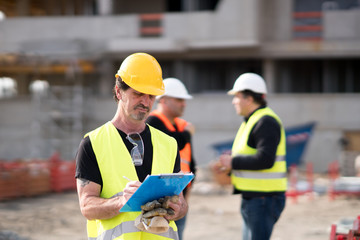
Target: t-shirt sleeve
(177,167)
(86,164)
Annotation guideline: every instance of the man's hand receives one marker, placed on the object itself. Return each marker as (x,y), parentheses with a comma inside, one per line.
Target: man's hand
(224,164)
(180,208)
(93,206)
(130,189)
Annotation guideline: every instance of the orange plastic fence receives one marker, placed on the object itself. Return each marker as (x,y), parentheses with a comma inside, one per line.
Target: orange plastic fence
(62,175)
(26,178)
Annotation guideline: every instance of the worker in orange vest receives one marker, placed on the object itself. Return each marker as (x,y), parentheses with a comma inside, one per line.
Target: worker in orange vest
(166,117)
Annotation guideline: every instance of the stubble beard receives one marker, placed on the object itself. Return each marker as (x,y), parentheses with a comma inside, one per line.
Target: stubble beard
(140,115)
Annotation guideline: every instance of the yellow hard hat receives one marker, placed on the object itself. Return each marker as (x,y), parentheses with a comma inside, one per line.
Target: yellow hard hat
(143,73)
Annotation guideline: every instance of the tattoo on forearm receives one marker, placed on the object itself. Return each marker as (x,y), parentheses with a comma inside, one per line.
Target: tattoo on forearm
(84,182)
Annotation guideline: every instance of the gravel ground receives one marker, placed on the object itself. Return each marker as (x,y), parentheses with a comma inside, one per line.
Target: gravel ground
(214,214)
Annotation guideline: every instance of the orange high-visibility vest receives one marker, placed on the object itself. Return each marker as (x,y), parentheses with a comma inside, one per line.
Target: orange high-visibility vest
(185,153)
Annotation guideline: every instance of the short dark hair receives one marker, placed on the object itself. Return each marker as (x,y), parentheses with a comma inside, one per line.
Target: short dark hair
(120,84)
(258,97)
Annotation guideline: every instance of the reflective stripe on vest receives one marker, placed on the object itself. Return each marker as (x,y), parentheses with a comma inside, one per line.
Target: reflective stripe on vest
(185,153)
(132,232)
(114,162)
(267,180)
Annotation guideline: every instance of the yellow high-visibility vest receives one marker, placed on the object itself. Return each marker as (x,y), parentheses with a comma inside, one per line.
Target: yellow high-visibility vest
(267,180)
(114,162)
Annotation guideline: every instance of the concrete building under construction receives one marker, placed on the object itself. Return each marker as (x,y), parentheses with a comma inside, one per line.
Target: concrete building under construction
(58,60)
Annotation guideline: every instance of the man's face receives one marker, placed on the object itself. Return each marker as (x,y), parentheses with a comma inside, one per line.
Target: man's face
(241,104)
(176,106)
(136,105)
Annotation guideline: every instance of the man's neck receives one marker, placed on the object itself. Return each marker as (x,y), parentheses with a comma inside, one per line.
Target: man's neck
(126,125)
(252,110)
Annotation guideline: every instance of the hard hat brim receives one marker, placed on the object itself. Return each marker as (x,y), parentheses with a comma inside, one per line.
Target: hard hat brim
(145,89)
(233,92)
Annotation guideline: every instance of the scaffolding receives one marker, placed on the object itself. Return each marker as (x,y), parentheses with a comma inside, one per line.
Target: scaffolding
(59,119)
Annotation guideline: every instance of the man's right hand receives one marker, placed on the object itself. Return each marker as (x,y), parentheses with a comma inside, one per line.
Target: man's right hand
(130,189)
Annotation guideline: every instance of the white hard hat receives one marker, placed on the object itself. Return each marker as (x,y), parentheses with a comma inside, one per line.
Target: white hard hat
(175,88)
(249,81)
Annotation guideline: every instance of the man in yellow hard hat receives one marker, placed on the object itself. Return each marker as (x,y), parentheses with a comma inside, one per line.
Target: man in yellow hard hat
(126,148)
(257,162)
(166,117)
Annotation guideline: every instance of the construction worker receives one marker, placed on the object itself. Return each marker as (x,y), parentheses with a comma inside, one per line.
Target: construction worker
(166,117)
(126,148)
(257,162)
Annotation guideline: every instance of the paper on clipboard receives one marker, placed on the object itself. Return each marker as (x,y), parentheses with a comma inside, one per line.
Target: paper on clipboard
(155,187)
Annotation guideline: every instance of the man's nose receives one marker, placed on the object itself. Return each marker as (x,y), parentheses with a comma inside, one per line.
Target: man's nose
(146,99)
(234,100)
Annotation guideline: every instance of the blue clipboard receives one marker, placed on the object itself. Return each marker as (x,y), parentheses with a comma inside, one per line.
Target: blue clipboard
(155,187)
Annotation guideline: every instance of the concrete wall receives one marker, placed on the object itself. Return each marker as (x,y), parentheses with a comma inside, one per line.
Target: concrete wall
(276,20)
(64,36)
(236,24)
(341,25)
(215,121)
(234,21)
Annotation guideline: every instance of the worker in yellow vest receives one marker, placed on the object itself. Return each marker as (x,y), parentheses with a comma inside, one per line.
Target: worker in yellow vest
(126,148)
(166,117)
(257,161)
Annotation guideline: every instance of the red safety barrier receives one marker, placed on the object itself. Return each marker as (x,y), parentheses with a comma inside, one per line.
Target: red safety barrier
(335,179)
(37,178)
(62,174)
(353,234)
(333,175)
(293,192)
(12,180)
(27,178)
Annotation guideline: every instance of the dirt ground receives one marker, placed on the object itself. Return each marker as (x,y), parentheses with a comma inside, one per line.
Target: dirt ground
(213,214)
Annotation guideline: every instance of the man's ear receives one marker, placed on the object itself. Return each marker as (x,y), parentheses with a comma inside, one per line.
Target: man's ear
(162,99)
(118,93)
(250,98)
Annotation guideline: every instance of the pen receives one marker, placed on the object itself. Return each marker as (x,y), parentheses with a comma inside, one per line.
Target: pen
(127,178)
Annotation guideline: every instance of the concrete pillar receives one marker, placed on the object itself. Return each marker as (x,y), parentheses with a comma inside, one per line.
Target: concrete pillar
(107,78)
(188,5)
(23,82)
(269,74)
(22,7)
(349,77)
(329,77)
(179,69)
(185,72)
(284,79)
(191,82)
(105,7)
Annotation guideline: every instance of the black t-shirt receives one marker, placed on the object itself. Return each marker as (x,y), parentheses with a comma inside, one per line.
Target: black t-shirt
(182,138)
(88,168)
